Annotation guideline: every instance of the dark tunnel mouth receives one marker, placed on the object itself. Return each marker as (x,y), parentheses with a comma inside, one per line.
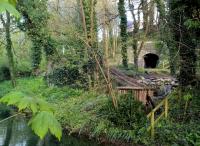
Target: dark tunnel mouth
(151,60)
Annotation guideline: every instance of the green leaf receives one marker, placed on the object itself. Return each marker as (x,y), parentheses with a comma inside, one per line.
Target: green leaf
(187,97)
(6,6)
(9,100)
(44,106)
(24,101)
(43,119)
(43,122)
(13,2)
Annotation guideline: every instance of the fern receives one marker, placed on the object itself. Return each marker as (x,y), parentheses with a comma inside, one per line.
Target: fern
(43,119)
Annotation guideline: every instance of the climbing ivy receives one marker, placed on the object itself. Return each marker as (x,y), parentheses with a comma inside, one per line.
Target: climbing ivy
(186,37)
(91,30)
(35,24)
(123,32)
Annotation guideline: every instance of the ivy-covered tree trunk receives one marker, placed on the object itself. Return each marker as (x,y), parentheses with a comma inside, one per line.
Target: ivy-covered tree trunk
(135,35)
(144,5)
(151,19)
(135,53)
(9,51)
(90,28)
(6,24)
(166,35)
(36,54)
(182,12)
(35,24)
(123,32)
(172,57)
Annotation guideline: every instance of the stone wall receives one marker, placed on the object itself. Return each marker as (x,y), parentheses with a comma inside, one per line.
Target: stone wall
(149,47)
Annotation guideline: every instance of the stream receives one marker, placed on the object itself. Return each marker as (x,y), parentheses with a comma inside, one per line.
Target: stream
(15,132)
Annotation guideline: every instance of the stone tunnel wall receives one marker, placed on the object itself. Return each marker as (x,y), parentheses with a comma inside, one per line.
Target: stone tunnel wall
(148,47)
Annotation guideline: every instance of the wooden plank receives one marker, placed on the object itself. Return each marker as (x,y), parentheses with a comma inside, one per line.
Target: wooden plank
(156,121)
(166,107)
(152,125)
(151,115)
(135,88)
(159,105)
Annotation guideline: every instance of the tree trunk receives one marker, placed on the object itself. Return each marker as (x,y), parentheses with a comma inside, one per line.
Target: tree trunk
(172,58)
(123,32)
(145,13)
(151,20)
(185,37)
(167,35)
(135,38)
(135,54)
(9,50)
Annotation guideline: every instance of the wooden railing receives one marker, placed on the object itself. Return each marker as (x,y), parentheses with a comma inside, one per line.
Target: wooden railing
(151,115)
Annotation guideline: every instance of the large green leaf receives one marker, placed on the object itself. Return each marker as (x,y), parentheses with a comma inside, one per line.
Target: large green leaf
(13,2)
(43,119)
(25,101)
(9,6)
(43,122)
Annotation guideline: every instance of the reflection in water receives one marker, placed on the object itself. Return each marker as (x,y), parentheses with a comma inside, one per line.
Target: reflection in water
(15,132)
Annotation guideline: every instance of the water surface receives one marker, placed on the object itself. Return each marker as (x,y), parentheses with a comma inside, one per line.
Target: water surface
(15,132)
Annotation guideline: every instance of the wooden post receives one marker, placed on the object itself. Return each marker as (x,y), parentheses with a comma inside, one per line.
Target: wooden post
(166,107)
(152,125)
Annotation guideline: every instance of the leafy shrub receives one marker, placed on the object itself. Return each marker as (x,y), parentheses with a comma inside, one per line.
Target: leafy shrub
(129,114)
(170,133)
(4,73)
(66,76)
(24,73)
(53,93)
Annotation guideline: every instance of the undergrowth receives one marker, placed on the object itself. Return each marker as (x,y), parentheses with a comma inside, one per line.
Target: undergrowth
(87,112)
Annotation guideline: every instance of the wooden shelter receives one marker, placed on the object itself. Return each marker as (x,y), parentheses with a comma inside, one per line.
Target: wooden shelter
(139,93)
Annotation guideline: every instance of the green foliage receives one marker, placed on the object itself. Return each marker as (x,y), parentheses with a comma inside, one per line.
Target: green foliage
(172,133)
(43,122)
(123,32)
(9,5)
(91,28)
(53,93)
(187,97)
(186,11)
(129,115)
(28,99)
(23,101)
(5,111)
(192,24)
(70,76)
(89,112)
(88,5)
(182,128)
(35,24)
(4,73)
